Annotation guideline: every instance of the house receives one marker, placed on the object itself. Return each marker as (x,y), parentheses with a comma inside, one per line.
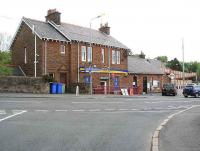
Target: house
(71,54)
(147,75)
(181,79)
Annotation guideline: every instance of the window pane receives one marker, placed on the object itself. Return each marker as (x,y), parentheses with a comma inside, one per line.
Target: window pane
(102,55)
(89,54)
(113,57)
(118,57)
(83,53)
(62,49)
(25,59)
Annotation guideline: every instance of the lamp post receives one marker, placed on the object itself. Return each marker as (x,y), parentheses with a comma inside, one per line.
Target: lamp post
(91,50)
(35,60)
(183,62)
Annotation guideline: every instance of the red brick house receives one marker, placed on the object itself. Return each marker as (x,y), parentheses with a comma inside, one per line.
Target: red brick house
(146,74)
(63,51)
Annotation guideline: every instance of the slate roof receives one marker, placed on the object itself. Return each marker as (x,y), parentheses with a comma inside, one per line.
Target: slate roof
(144,66)
(44,30)
(69,32)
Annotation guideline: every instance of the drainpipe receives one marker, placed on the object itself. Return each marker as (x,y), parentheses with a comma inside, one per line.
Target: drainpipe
(109,69)
(45,57)
(78,78)
(35,62)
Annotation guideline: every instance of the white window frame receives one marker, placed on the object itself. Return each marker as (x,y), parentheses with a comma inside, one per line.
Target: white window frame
(102,55)
(62,49)
(83,53)
(25,55)
(89,54)
(118,57)
(113,57)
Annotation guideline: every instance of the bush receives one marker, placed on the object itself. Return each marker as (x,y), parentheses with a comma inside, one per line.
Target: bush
(5,57)
(5,70)
(48,78)
(83,88)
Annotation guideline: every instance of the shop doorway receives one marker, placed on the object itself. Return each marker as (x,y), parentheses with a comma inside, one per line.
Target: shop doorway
(104,86)
(145,84)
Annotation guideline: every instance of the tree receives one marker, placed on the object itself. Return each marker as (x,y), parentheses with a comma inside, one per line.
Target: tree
(174,64)
(5,40)
(198,71)
(5,59)
(163,59)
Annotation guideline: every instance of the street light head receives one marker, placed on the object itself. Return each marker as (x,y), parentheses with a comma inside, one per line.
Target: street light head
(101,15)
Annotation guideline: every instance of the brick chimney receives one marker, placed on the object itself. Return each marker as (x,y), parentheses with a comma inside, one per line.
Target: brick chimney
(105,29)
(53,15)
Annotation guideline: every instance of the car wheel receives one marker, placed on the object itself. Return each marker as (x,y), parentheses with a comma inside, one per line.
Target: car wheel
(196,95)
(185,96)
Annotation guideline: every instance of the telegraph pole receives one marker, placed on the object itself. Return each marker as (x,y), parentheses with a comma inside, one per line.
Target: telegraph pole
(183,61)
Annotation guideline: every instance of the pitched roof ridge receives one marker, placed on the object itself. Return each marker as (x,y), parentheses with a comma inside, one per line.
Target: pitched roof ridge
(80,26)
(34,19)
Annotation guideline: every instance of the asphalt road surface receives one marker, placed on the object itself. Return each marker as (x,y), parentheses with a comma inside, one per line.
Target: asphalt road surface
(85,123)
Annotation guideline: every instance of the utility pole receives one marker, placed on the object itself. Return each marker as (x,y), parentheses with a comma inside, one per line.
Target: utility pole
(90,43)
(183,61)
(35,60)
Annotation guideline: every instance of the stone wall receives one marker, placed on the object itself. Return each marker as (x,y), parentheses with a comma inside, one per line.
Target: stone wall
(23,84)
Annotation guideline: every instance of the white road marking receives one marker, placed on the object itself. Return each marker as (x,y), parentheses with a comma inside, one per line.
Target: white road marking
(78,110)
(129,111)
(134,109)
(97,102)
(12,115)
(17,111)
(172,101)
(41,110)
(2,112)
(61,110)
(94,110)
(109,109)
(19,102)
(123,109)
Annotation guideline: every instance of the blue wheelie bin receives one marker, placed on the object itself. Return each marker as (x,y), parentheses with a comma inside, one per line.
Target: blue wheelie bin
(59,88)
(53,88)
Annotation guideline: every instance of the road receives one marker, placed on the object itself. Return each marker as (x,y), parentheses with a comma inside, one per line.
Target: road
(84,123)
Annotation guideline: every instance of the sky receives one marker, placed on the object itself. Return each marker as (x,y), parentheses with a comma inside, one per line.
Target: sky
(155,27)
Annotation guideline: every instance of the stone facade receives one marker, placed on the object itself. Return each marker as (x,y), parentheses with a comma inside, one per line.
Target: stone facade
(23,85)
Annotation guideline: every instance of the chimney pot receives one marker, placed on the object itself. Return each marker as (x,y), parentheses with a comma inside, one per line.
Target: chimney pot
(105,28)
(53,15)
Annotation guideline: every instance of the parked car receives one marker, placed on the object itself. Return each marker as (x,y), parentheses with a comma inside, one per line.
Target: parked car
(191,90)
(169,89)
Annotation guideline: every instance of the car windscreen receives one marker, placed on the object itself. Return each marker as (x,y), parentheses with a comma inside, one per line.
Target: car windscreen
(189,87)
(169,86)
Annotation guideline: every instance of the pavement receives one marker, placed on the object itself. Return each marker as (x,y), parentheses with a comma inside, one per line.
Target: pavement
(182,133)
(84,123)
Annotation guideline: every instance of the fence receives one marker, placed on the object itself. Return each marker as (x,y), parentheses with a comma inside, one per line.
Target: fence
(115,90)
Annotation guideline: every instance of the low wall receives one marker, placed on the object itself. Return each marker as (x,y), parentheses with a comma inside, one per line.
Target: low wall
(23,84)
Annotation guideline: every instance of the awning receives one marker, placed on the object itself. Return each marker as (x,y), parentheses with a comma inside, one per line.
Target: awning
(100,70)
